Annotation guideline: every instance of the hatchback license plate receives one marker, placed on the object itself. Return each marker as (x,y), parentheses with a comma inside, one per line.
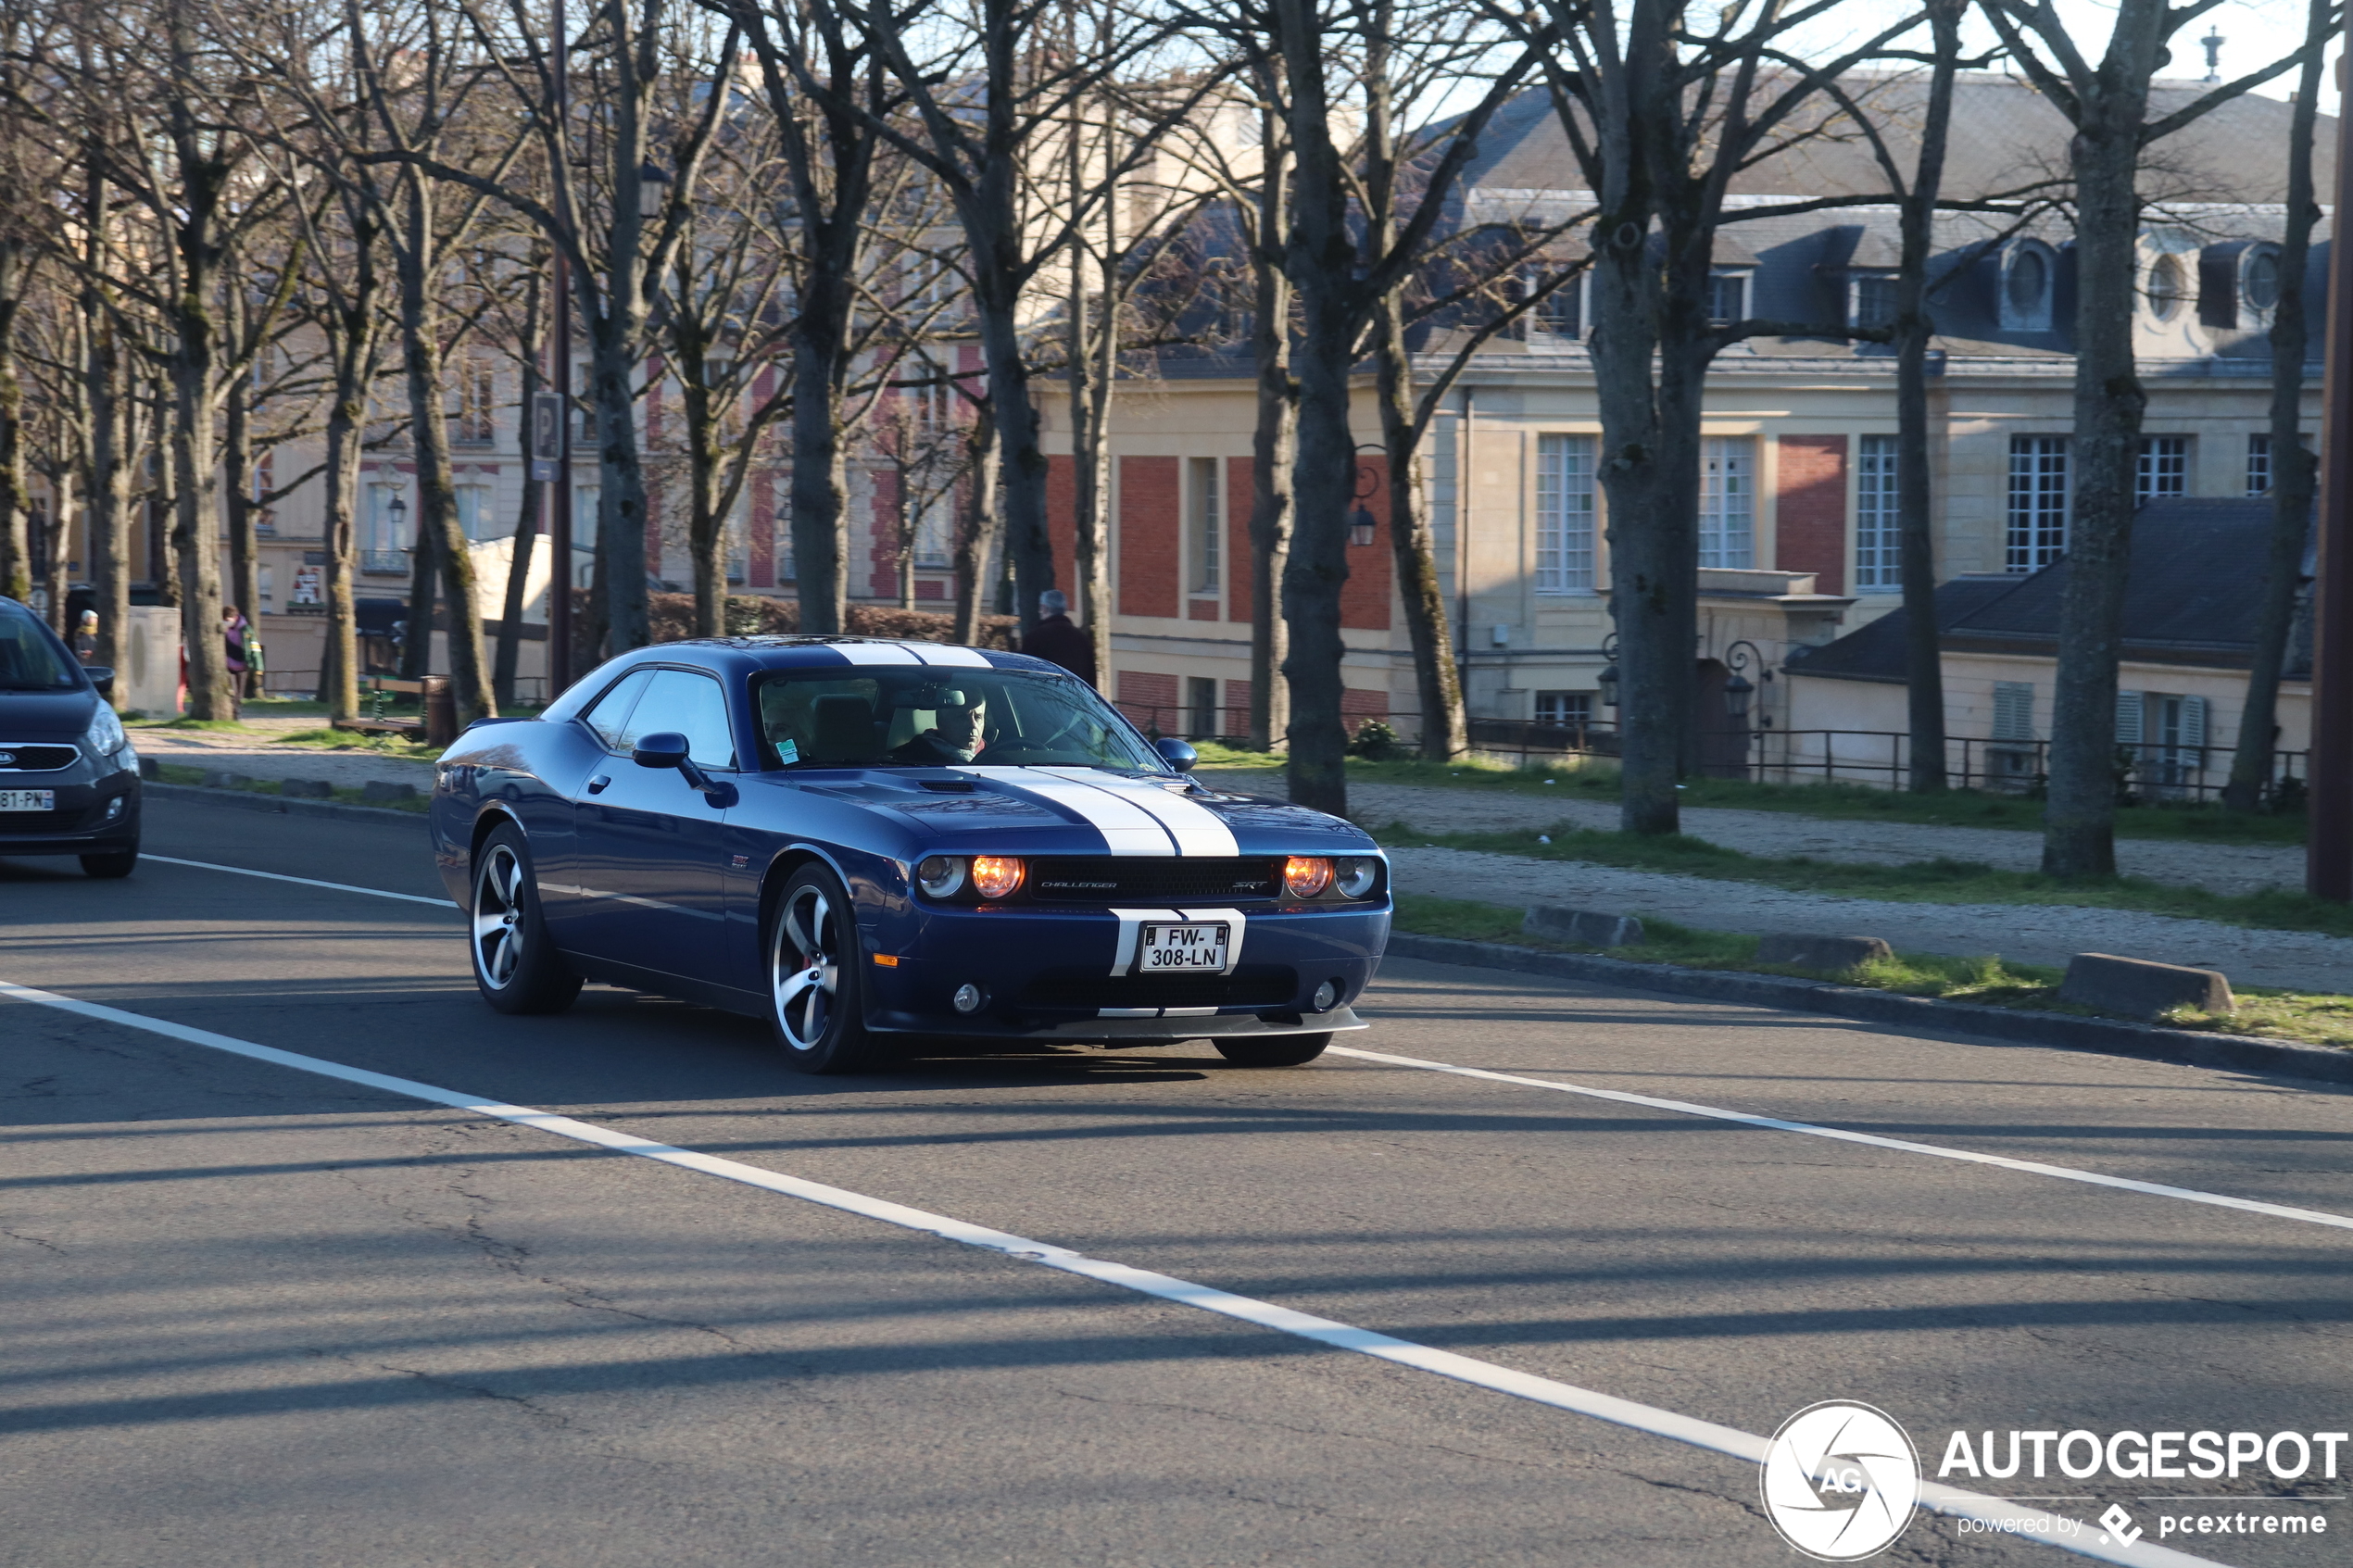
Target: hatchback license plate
(28,799)
(1187,949)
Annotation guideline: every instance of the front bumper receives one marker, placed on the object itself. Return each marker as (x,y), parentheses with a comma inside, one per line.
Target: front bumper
(93,817)
(1046,974)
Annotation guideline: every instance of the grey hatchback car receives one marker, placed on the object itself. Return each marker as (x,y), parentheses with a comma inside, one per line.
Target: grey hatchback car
(68,779)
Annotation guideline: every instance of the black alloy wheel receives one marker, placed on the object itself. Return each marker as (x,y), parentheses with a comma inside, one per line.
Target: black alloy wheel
(815,984)
(516,966)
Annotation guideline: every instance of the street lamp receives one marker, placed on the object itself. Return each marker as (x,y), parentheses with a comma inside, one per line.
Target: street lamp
(1608,680)
(398,511)
(1362,525)
(1738,657)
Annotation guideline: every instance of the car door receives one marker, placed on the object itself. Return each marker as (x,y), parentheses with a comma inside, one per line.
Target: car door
(649,846)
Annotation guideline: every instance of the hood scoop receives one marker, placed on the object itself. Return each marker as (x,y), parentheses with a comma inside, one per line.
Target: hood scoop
(949,786)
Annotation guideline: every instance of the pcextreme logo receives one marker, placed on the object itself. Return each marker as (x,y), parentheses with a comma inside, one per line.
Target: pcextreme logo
(1839,1481)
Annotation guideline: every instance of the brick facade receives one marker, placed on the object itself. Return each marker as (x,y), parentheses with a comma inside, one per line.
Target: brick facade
(1148,698)
(1240,491)
(1811,513)
(1364,598)
(1151,536)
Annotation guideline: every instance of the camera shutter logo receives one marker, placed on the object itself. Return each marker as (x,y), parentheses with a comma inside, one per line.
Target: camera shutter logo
(1839,1481)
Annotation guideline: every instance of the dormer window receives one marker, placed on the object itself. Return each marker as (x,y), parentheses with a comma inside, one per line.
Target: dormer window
(2027,272)
(2164,287)
(1727,298)
(1871,299)
(1560,314)
(2260,279)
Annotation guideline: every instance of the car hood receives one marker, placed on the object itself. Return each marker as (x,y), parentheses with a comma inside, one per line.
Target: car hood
(45,716)
(1101,812)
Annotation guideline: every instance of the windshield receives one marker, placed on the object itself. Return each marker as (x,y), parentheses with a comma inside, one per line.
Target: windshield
(926,717)
(31,660)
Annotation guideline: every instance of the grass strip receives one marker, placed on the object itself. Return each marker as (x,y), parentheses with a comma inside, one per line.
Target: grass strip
(175,774)
(1589,780)
(1940,881)
(2307,1017)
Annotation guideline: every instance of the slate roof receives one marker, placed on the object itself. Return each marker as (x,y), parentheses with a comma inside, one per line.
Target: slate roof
(2191,597)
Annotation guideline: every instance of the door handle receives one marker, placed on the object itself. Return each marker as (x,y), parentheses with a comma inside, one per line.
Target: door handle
(597,786)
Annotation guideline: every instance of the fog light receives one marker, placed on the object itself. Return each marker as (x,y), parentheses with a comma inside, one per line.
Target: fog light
(1306,875)
(968,999)
(114,808)
(1327,995)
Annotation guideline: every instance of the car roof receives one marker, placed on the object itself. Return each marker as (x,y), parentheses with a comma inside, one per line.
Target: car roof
(743,657)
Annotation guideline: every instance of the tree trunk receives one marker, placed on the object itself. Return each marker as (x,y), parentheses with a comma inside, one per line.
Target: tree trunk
(110,503)
(1094,361)
(163,501)
(16,549)
(1021,459)
(1924,667)
(2078,820)
(1437,678)
(195,532)
(975,531)
(1316,767)
(57,542)
(508,654)
(339,658)
(1274,446)
(819,495)
(236,489)
(2293,472)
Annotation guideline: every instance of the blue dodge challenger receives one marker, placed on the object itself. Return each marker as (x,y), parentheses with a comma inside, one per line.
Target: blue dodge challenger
(869,842)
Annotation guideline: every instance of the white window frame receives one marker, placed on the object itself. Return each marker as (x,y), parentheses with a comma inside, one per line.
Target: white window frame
(2041,501)
(1857,282)
(1879,529)
(1735,282)
(1205,524)
(1728,502)
(2259,463)
(2162,469)
(1565,502)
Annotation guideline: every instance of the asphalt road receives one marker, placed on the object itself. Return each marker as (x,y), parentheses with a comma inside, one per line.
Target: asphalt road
(252,1315)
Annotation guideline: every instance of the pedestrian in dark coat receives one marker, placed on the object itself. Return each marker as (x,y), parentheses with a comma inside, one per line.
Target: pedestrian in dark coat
(1055,638)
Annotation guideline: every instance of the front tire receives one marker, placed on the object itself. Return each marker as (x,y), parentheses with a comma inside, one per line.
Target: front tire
(516,966)
(815,984)
(115,863)
(1281,1051)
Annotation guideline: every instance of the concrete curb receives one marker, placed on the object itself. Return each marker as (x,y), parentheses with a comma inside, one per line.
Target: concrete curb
(292,805)
(2113,1037)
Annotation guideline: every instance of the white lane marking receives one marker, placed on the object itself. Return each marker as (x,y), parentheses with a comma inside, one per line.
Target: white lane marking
(1127,937)
(303,881)
(1127,829)
(1265,1314)
(1197,831)
(1873,1140)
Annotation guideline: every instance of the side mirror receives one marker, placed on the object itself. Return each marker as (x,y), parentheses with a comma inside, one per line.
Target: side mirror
(1177,754)
(102,677)
(664,749)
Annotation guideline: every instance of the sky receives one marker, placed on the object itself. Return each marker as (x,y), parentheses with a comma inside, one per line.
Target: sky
(2255,32)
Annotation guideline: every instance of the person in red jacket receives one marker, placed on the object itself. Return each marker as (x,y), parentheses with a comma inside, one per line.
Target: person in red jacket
(1056,639)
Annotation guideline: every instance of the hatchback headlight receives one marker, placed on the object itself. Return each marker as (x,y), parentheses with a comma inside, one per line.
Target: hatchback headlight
(1306,875)
(1355,875)
(994,876)
(940,875)
(105,734)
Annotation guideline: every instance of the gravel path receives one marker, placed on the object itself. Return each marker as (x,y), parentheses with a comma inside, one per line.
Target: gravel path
(2039,933)
(2222,868)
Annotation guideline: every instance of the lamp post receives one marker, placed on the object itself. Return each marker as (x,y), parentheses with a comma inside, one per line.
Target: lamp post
(397,510)
(1608,680)
(1362,525)
(1740,656)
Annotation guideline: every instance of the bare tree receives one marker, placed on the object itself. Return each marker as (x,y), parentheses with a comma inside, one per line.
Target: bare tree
(2108,102)
(2294,469)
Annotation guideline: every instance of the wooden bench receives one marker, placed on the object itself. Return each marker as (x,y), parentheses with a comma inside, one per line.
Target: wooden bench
(437,727)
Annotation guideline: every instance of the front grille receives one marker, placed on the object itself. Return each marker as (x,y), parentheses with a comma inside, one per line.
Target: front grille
(1258,986)
(1142,880)
(44,759)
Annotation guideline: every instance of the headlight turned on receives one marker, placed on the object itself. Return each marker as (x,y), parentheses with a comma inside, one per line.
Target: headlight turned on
(940,875)
(1356,874)
(1306,875)
(996,876)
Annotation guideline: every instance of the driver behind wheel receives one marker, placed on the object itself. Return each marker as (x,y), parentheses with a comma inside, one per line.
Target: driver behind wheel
(956,735)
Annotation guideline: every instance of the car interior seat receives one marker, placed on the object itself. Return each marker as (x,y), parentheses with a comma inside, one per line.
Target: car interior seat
(845,730)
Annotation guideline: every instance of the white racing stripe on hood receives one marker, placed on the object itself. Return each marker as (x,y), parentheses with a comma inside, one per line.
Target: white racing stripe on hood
(940,653)
(1196,830)
(1126,828)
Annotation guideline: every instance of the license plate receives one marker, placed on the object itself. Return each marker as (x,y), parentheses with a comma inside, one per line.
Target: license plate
(28,799)
(1196,944)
